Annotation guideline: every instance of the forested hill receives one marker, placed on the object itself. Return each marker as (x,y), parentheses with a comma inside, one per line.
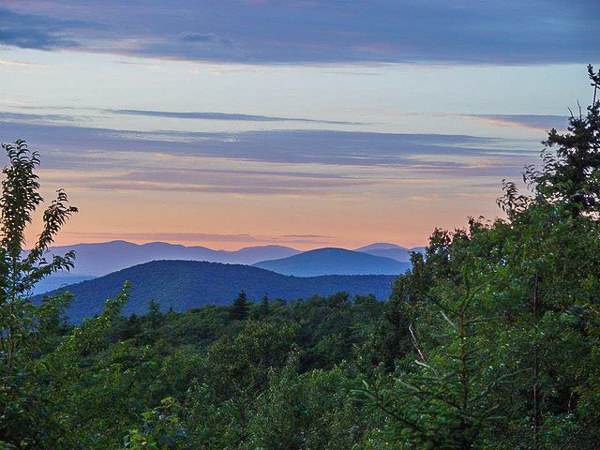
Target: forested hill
(183,285)
(339,261)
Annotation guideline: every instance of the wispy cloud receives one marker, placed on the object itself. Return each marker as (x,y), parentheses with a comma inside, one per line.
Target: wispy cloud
(131,176)
(531,121)
(306,236)
(201,237)
(478,195)
(24,117)
(279,187)
(327,147)
(169,236)
(289,163)
(81,114)
(224,116)
(16,64)
(423,198)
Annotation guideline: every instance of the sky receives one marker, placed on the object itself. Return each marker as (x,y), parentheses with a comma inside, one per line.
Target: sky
(305,123)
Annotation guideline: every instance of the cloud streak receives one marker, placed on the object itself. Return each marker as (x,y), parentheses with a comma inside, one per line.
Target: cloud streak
(203,237)
(284,163)
(24,117)
(223,116)
(530,121)
(326,147)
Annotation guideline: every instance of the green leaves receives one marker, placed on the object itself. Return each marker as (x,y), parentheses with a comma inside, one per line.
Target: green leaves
(502,318)
(39,368)
(161,429)
(90,336)
(19,318)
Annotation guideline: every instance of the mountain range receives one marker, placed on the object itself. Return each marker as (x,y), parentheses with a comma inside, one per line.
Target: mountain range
(183,285)
(98,259)
(106,257)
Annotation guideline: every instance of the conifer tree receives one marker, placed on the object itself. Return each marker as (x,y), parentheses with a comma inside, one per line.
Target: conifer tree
(572,175)
(240,307)
(506,326)
(154,314)
(264,309)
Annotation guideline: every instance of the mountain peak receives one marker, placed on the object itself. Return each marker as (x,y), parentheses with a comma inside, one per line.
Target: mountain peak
(380,246)
(334,261)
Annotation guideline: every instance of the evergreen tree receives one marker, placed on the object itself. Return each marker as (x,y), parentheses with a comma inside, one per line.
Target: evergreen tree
(240,307)
(131,327)
(572,175)
(154,314)
(503,318)
(264,309)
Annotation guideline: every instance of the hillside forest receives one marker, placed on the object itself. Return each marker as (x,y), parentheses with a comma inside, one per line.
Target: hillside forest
(490,341)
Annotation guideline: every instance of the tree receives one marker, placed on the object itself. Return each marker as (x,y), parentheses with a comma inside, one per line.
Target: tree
(19,273)
(153,321)
(23,324)
(264,309)
(240,307)
(154,314)
(41,368)
(444,398)
(572,176)
(503,317)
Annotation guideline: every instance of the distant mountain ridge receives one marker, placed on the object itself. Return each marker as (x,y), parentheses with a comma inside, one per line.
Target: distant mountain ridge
(379,246)
(392,251)
(97,259)
(334,261)
(102,258)
(182,285)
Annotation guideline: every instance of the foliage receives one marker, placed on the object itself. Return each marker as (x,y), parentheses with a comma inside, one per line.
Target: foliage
(240,307)
(25,328)
(184,285)
(572,176)
(501,317)
(160,429)
(35,361)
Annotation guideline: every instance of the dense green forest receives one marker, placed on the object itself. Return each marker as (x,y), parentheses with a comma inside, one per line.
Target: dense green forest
(491,341)
(181,285)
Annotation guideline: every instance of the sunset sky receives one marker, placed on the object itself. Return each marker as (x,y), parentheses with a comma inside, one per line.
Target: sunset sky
(305,123)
